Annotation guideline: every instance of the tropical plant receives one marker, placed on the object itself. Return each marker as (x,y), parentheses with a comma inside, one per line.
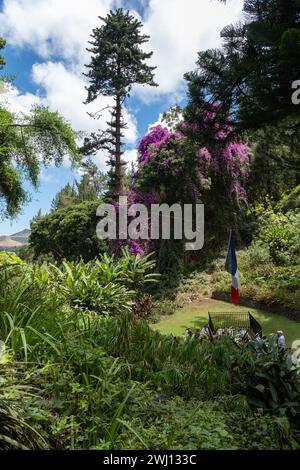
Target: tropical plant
(9,259)
(107,285)
(81,285)
(15,432)
(29,311)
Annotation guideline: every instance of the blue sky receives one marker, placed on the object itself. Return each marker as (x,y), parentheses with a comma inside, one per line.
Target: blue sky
(46,53)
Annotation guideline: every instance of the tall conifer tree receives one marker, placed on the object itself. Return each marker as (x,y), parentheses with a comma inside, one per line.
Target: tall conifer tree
(117,63)
(252,74)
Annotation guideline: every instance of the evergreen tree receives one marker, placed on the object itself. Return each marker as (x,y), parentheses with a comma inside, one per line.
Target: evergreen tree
(250,81)
(117,63)
(85,190)
(36,217)
(90,187)
(252,74)
(65,197)
(274,164)
(97,179)
(68,233)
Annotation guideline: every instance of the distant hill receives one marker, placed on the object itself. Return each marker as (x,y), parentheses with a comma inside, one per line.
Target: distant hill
(15,241)
(21,237)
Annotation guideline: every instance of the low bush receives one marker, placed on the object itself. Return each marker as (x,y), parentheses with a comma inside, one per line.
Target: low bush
(68,233)
(9,259)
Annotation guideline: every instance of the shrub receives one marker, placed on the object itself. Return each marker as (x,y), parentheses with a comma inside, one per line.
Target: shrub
(290,201)
(15,432)
(108,286)
(9,259)
(81,285)
(207,369)
(279,232)
(68,233)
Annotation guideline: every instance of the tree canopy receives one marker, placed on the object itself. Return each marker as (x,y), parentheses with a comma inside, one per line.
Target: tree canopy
(251,76)
(68,233)
(26,143)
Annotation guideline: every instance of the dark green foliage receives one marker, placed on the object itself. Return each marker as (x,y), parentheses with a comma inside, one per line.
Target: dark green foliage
(113,383)
(86,286)
(107,286)
(252,75)
(207,369)
(250,78)
(26,143)
(170,261)
(275,167)
(270,267)
(2,60)
(35,300)
(271,382)
(68,233)
(64,198)
(117,63)
(290,201)
(93,183)
(15,433)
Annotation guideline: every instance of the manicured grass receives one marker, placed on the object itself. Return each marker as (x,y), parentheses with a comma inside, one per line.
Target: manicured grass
(195,315)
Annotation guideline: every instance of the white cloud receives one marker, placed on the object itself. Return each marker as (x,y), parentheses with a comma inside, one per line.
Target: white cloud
(59,32)
(65,92)
(18,102)
(178,29)
(52,27)
(46,176)
(62,90)
(161,122)
(130,156)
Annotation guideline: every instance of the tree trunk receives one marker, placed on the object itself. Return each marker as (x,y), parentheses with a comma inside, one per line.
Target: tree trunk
(118,153)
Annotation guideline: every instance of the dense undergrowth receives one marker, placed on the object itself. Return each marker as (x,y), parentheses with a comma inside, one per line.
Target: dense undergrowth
(270,267)
(80,370)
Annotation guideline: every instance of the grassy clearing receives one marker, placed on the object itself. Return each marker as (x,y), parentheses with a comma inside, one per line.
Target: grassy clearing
(195,315)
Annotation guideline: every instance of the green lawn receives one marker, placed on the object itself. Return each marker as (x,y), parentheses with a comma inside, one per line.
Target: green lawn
(196,315)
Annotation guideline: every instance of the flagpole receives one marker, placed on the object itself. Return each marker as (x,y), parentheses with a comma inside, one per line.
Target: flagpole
(230,233)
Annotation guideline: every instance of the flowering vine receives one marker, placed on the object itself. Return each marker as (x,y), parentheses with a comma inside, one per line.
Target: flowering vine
(182,167)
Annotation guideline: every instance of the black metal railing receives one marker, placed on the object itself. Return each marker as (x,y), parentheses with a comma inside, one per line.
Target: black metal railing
(235,320)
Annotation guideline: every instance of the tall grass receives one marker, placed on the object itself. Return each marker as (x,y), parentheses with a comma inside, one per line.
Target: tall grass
(204,369)
(96,371)
(28,311)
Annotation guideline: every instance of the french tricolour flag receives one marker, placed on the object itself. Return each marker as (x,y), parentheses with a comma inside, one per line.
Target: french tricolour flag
(231,267)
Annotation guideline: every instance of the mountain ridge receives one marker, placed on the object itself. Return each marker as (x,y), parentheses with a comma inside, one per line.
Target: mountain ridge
(15,241)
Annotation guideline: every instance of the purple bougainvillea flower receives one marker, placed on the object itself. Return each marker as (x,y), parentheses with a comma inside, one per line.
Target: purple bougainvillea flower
(186,152)
(167,163)
(204,154)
